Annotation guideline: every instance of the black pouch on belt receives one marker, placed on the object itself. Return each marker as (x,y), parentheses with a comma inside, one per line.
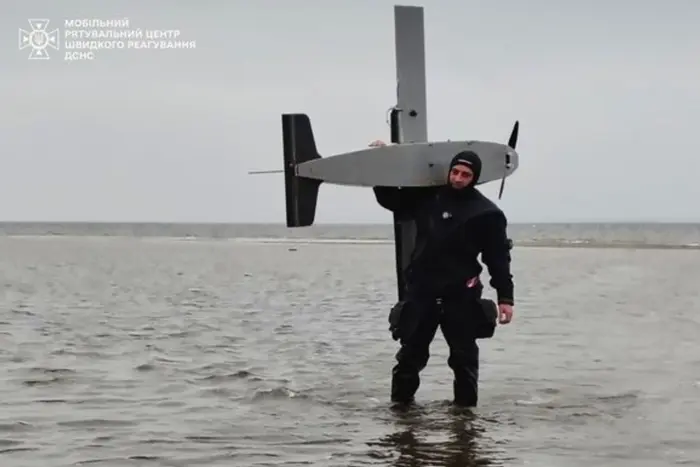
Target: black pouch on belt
(395,321)
(485,319)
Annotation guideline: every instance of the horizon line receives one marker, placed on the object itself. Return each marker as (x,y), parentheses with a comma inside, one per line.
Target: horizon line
(326,224)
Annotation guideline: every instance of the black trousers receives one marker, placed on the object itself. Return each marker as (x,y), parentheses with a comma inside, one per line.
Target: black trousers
(454,314)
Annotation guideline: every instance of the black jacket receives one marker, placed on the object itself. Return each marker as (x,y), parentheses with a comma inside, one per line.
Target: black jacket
(451,231)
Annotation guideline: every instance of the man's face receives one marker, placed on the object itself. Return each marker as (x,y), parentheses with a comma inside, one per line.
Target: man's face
(460,176)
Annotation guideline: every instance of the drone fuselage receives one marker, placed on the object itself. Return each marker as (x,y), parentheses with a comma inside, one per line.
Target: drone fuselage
(409,164)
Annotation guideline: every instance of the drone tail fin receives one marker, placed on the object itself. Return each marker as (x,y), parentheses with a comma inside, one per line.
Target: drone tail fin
(299,146)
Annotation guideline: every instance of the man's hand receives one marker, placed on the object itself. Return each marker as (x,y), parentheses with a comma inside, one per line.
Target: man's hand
(505,313)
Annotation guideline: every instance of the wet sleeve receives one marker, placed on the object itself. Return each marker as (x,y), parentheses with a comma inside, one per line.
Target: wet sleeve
(403,202)
(495,254)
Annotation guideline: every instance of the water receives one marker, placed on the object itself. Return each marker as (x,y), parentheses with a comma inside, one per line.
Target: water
(154,351)
(582,235)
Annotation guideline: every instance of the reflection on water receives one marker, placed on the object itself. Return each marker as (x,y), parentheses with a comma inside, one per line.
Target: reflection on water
(437,435)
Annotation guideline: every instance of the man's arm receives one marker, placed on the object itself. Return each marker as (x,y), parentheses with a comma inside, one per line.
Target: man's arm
(401,201)
(495,253)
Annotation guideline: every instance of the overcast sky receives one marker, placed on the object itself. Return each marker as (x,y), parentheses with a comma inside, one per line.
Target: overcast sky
(608,95)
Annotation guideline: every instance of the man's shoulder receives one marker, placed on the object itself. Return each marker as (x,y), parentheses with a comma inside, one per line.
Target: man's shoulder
(484,206)
(485,199)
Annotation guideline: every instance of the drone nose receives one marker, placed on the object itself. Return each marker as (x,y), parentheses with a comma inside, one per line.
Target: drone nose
(510,155)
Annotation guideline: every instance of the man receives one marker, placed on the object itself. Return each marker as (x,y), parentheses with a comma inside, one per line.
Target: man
(454,224)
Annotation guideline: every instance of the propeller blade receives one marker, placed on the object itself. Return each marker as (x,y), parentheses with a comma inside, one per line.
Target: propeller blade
(503,184)
(513,140)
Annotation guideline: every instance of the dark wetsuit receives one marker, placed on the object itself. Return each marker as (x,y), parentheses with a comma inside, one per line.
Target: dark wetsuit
(452,228)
